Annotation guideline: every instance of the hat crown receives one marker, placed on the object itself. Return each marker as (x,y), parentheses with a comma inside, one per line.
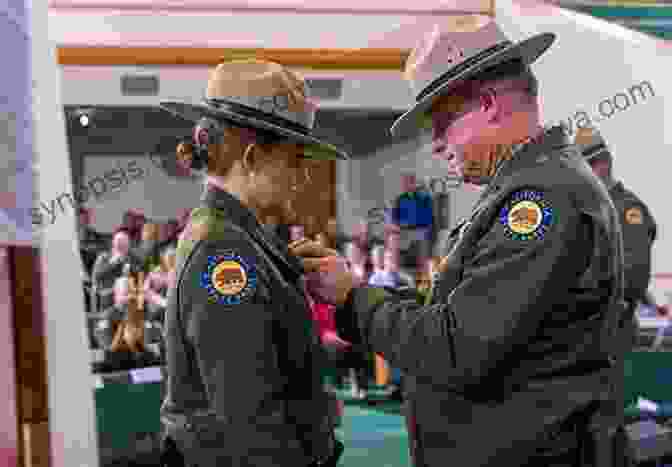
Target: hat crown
(449,45)
(264,86)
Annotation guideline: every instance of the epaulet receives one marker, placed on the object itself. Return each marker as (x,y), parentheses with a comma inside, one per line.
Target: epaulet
(204,224)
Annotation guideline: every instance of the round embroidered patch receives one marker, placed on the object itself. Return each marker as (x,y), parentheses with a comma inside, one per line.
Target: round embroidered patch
(526,216)
(228,279)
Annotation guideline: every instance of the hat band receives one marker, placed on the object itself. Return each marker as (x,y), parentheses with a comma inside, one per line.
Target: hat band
(272,109)
(456,70)
(595,151)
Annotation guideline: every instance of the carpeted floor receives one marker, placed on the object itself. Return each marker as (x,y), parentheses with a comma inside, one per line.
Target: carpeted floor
(374,433)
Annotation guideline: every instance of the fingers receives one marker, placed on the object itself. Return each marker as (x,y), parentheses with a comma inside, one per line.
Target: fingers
(313,264)
(311,249)
(298,242)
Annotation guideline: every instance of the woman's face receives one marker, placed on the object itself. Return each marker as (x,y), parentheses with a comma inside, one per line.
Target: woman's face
(280,176)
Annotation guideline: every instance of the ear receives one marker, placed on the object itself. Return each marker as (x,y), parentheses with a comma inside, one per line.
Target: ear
(490,104)
(251,157)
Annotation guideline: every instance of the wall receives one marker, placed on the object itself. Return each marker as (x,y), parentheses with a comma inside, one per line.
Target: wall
(71,406)
(226,27)
(100,85)
(375,180)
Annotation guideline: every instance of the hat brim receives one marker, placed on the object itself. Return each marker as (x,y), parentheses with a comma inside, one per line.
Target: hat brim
(315,148)
(528,51)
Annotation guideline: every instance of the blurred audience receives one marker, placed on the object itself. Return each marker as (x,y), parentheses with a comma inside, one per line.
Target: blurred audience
(357,260)
(386,269)
(109,266)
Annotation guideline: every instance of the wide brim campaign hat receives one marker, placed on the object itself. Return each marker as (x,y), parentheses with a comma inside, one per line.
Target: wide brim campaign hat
(449,56)
(592,144)
(262,95)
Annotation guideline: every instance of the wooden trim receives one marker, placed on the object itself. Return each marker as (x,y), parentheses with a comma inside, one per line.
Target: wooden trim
(334,59)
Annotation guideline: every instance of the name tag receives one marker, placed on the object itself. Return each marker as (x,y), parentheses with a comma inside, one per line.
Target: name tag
(146,375)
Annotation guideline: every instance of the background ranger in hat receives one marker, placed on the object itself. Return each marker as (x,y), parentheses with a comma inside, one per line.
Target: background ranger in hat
(638,225)
(244,385)
(510,360)
(639,232)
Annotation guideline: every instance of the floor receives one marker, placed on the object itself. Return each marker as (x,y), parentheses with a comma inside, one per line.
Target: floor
(373,432)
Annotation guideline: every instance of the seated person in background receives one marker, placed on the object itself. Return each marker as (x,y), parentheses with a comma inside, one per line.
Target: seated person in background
(357,262)
(156,286)
(386,272)
(148,250)
(358,373)
(91,243)
(109,267)
(132,222)
(169,233)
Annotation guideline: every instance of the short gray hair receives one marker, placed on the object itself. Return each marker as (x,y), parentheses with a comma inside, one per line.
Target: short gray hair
(515,71)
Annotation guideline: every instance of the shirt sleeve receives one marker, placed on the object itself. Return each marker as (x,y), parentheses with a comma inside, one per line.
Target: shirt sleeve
(639,231)
(228,319)
(508,285)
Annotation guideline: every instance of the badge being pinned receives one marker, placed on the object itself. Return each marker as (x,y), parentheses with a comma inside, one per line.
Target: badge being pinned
(633,216)
(527,215)
(228,279)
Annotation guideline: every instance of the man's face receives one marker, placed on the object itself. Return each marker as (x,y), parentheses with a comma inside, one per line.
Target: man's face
(456,125)
(465,133)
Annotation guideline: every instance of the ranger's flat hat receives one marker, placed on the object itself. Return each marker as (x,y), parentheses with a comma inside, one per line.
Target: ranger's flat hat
(263,95)
(591,143)
(455,53)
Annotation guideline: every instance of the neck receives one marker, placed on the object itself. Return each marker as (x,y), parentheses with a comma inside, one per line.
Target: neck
(232,187)
(524,129)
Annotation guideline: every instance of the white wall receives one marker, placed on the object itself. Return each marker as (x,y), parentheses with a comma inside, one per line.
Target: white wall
(160,197)
(72,427)
(592,60)
(375,180)
(100,85)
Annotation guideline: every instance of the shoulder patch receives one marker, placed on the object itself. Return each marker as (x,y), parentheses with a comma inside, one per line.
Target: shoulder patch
(634,216)
(229,279)
(527,215)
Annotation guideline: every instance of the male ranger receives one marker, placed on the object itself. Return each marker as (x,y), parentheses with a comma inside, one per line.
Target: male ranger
(511,360)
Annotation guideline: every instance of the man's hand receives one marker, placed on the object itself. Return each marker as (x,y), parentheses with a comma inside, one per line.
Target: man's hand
(306,248)
(315,257)
(328,279)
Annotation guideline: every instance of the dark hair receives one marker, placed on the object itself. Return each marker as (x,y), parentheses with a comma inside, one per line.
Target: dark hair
(514,70)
